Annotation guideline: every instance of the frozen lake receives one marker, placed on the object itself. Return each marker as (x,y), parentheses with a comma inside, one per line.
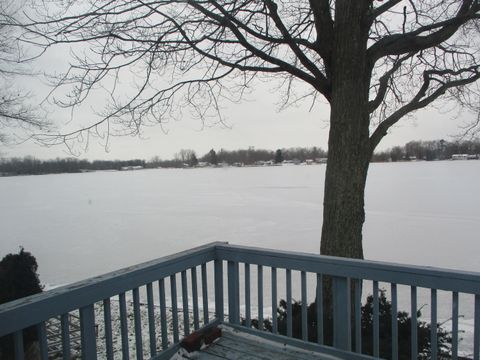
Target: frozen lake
(80,225)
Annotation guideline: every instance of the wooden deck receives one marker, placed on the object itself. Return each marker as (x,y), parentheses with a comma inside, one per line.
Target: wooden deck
(226,273)
(235,345)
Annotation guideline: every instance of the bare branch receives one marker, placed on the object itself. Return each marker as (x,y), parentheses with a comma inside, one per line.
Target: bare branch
(446,79)
(384,81)
(17,114)
(383,8)
(201,53)
(425,36)
(324,27)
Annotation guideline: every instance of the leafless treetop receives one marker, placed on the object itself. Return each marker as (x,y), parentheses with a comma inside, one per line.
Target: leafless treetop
(197,53)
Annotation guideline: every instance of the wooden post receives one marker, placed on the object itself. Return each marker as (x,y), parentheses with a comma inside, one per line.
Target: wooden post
(233,293)
(219,290)
(18,345)
(87,329)
(341,313)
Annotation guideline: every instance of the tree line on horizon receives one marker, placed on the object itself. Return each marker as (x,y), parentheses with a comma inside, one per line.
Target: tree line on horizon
(420,150)
(428,150)
(250,156)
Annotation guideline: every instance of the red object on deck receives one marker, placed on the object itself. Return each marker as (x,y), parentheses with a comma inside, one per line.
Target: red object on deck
(195,340)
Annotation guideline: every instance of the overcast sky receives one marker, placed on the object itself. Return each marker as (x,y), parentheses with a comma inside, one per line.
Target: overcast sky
(255,122)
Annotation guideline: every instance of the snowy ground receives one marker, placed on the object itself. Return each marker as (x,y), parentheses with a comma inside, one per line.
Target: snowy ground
(116,331)
(465,327)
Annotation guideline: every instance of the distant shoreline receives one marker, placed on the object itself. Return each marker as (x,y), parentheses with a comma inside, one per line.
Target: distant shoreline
(221,166)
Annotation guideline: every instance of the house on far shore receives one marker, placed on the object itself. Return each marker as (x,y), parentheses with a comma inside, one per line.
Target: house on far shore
(127,168)
(321,160)
(459,157)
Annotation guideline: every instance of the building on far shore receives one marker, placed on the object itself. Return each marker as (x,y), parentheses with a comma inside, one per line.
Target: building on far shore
(459,156)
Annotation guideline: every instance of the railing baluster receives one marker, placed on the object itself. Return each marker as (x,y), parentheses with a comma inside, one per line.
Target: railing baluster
(233,293)
(107,318)
(358,315)
(65,335)
(205,293)
(454,325)
(394,322)
(219,311)
(376,327)
(88,334)
(186,314)
(138,324)
(196,321)
(476,331)
(248,319)
(289,303)
(304,306)
(163,313)
(413,330)
(151,321)
(123,325)
(342,338)
(274,301)
(260,296)
(433,324)
(42,341)
(319,308)
(173,295)
(18,344)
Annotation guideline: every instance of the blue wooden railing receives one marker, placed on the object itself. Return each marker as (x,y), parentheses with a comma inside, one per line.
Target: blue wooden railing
(140,313)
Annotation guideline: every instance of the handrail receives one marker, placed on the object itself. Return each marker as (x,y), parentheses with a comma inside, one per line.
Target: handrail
(345,298)
(421,276)
(31,310)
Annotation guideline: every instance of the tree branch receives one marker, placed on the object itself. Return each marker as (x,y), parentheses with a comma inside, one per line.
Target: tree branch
(322,80)
(324,27)
(383,83)
(319,84)
(421,99)
(383,8)
(414,41)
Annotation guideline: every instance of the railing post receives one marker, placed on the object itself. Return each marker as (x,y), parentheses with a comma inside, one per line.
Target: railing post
(43,342)
(18,345)
(260,296)
(87,326)
(219,289)
(341,312)
(233,293)
(476,331)
(65,331)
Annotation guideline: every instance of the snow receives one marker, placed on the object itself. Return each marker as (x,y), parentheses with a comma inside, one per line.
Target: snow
(116,330)
(82,225)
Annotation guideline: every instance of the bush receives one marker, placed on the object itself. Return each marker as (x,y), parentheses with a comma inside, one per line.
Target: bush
(18,278)
(404,332)
(385,322)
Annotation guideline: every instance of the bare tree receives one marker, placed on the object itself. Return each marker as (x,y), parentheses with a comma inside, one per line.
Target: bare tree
(373,61)
(17,115)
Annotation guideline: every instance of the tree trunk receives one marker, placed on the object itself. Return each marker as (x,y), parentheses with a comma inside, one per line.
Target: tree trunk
(349,150)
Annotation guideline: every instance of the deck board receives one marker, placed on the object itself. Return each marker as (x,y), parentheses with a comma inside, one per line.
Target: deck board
(264,351)
(235,345)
